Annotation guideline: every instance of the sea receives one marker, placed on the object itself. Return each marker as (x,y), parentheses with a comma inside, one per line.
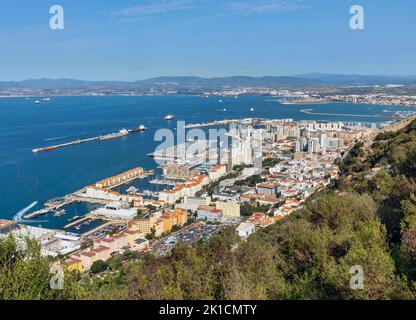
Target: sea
(26,177)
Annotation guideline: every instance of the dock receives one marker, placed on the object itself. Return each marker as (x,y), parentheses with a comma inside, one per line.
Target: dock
(211,124)
(80,141)
(18,216)
(62,145)
(310,111)
(35,214)
(163,182)
(77,221)
(142,176)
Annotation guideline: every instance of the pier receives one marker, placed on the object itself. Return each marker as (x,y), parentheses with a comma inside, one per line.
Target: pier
(310,111)
(18,217)
(62,145)
(142,176)
(77,221)
(79,141)
(210,124)
(163,182)
(35,214)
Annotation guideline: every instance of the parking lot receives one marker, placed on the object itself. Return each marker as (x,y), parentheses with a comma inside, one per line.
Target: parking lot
(190,235)
(108,229)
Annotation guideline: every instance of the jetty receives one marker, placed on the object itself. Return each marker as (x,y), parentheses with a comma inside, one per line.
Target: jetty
(18,216)
(211,124)
(310,111)
(62,145)
(106,137)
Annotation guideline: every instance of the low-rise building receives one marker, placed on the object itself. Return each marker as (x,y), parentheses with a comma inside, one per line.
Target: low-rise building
(260,220)
(245,229)
(217,172)
(115,210)
(229,209)
(268,188)
(104,248)
(209,214)
(7,226)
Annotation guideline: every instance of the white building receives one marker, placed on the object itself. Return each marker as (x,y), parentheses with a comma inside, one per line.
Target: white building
(245,229)
(116,210)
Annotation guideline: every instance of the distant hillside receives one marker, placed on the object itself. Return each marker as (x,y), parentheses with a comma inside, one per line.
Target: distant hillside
(199,83)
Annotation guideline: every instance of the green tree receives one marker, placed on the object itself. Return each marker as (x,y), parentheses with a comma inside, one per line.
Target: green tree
(99,266)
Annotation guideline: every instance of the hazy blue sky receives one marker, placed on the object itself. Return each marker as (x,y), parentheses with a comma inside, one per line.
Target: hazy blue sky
(137,39)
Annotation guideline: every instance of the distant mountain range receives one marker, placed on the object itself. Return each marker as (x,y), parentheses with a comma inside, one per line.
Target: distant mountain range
(192,82)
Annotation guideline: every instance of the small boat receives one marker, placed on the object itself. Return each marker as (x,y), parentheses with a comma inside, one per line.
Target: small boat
(37,101)
(251,109)
(220,101)
(169,117)
(46,99)
(132,190)
(73,218)
(59,213)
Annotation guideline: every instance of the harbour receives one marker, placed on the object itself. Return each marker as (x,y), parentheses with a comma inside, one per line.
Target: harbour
(31,178)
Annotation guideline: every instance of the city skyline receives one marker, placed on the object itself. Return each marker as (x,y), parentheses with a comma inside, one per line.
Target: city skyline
(135,40)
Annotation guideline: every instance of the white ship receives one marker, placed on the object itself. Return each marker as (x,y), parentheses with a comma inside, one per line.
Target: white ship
(169,117)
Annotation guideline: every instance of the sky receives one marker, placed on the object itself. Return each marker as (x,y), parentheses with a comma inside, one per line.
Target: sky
(139,39)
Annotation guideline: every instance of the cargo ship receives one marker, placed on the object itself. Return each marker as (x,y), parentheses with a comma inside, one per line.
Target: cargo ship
(139,128)
(121,133)
(169,117)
